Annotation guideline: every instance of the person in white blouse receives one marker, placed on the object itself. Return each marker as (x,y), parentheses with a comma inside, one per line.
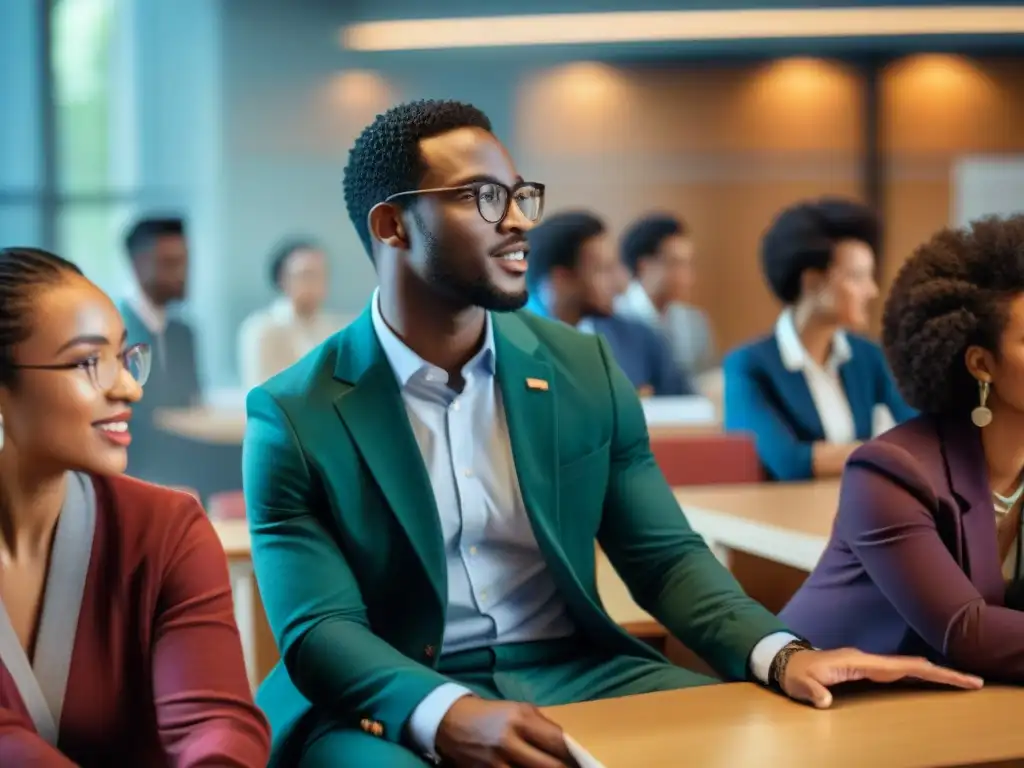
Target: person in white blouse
(274,338)
(811,391)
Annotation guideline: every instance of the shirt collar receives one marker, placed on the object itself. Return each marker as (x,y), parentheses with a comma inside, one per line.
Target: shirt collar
(152,316)
(791,349)
(405,363)
(636,303)
(540,300)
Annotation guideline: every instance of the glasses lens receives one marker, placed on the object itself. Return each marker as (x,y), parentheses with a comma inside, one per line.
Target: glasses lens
(137,361)
(530,200)
(491,199)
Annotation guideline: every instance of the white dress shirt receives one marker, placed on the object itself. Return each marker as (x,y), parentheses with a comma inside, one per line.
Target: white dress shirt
(275,338)
(823,382)
(499,586)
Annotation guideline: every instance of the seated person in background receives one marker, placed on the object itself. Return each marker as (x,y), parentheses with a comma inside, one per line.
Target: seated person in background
(659,254)
(118,644)
(425,489)
(808,392)
(271,339)
(929,522)
(575,275)
(159,254)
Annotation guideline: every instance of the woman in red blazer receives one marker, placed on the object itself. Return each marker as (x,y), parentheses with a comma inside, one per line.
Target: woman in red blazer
(926,549)
(117,639)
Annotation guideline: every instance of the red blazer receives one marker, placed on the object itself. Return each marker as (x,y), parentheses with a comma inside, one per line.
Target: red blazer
(913,563)
(157,676)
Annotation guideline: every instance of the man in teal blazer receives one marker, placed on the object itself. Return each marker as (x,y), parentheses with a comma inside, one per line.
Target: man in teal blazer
(425,490)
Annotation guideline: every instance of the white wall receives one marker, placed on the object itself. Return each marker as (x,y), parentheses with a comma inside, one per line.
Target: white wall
(987,186)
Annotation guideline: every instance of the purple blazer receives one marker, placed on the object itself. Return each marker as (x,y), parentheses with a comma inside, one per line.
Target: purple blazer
(913,565)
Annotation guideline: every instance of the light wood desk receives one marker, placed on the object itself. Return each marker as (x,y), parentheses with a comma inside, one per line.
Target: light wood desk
(786,523)
(740,725)
(219,426)
(226,426)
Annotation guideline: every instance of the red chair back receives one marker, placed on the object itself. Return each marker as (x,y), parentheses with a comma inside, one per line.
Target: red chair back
(708,459)
(227,505)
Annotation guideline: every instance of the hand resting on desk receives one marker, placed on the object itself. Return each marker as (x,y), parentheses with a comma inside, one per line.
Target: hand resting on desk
(501,733)
(809,674)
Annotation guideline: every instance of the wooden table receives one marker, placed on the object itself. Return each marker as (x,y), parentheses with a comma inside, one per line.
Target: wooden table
(226,426)
(219,426)
(786,523)
(740,725)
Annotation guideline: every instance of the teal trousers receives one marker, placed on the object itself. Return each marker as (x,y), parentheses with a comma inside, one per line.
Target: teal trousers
(545,673)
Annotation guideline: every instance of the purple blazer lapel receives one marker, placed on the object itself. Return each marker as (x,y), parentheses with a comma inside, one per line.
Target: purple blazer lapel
(967,476)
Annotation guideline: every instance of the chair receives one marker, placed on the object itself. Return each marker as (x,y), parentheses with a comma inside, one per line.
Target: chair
(227,505)
(708,459)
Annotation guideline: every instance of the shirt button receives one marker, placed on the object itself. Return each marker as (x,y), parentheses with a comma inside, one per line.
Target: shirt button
(472,550)
(483,595)
(455,405)
(467,472)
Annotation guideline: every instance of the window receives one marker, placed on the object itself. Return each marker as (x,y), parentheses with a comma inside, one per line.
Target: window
(67,161)
(91,91)
(21,167)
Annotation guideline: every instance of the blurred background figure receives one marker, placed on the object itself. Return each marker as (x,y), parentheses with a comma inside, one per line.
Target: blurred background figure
(574,276)
(659,254)
(159,256)
(158,251)
(273,338)
(809,390)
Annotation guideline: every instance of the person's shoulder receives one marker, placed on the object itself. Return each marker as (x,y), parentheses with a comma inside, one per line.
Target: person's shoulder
(755,353)
(863,348)
(257,322)
(909,454)
(148,521)
(552,334)
(304,379)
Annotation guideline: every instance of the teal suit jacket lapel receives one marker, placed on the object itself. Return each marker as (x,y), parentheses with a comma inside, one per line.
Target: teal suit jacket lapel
(529,395)
(373,412)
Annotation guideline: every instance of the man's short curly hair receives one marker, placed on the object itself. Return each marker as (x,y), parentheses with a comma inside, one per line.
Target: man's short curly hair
(644,237)
(952,293)
(804,236)
(385,159)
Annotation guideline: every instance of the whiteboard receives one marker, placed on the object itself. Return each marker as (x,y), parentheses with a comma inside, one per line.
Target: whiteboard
(987,185)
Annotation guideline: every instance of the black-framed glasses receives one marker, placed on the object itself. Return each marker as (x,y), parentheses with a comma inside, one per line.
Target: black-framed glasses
(493,198)
(103,371)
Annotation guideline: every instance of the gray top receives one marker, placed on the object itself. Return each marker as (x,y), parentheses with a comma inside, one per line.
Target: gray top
(43,682)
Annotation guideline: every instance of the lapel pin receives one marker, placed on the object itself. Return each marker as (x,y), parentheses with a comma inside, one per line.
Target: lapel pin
(538,384)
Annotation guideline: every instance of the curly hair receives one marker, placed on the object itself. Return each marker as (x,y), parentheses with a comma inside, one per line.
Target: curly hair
(557,241)
(386,160)
(952,293)
(804,236)
(644,236)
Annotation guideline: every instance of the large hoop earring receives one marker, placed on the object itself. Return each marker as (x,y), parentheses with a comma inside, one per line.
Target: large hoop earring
(982,415)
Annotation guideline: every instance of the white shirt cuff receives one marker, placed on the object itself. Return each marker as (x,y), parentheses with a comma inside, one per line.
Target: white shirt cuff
(429,713)
(765,651)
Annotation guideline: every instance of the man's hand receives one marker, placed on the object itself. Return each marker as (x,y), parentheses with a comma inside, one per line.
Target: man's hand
(476,732)
(809,674)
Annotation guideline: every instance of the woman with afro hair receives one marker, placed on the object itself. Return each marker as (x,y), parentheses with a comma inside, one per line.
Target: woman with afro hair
(925,553)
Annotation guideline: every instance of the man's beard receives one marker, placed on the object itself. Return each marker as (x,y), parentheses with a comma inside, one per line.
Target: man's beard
(476,292)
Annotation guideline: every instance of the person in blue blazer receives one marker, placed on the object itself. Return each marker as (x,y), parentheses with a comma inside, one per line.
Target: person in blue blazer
(812,391)
(574,276)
